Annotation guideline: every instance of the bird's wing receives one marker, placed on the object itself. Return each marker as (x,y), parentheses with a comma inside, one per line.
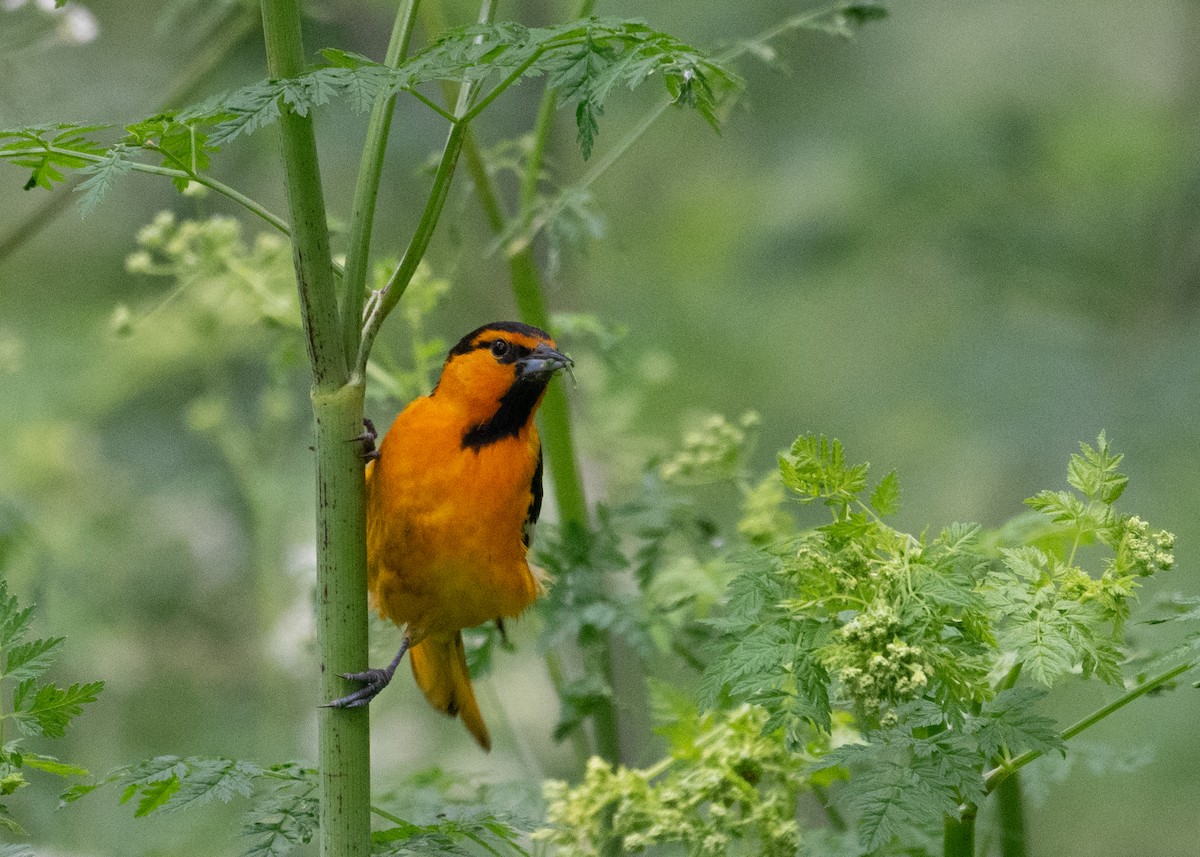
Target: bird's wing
(535,501)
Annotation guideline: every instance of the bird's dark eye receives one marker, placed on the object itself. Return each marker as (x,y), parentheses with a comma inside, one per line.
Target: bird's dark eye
(499,348)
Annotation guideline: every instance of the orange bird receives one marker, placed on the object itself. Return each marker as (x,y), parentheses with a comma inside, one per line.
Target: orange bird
(452,496)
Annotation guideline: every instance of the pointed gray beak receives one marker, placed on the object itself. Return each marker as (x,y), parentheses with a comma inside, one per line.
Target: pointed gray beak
(543,359)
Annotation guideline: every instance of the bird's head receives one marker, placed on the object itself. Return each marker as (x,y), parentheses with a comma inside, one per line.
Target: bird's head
(498,373)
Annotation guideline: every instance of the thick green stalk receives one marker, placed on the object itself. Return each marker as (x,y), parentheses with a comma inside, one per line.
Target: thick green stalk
(343,736)
(1010,809)
(366,190)
(306,203)
(959,834)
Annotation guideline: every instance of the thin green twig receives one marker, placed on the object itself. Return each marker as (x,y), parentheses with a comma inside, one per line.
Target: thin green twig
(366,189)
(380,304)
(997,775)
(225,190)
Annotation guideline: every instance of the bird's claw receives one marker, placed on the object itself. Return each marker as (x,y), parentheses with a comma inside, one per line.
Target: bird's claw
(373,681)
(368,438)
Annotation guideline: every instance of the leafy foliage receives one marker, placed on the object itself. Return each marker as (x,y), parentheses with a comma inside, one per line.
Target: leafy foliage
(583,61)
(725,786)
(446,814)
(937,649)
(38,708)
(283,816)
(282,805)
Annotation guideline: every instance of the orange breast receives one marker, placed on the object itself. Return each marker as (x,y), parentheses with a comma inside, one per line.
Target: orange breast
(444,523)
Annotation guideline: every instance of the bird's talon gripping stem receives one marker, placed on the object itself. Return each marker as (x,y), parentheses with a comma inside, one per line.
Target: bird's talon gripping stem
(373,681)
(368,438)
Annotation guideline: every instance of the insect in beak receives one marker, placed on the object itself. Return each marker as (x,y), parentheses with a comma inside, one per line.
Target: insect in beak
(543,360)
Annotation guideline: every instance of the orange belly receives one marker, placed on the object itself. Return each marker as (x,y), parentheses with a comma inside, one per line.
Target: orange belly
(444,524)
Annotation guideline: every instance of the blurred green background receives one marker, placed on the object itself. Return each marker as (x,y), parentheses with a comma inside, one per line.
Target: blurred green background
(961,243)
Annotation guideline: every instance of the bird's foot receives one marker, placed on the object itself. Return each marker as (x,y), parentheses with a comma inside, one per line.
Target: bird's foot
(368,438)
(373,682)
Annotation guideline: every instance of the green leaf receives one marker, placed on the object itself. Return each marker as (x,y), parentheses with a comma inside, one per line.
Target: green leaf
(50,710)
(101,177)
(77,791)
(886,803)
(279,825)
(14,620)
(30,660)
(1042,643)
(171,783)
(48,149)
(960,538)
(154,795)
(346,59)
(51,765)
(816,468)
(1061,506)
(206,780)
(182,146)
(885,499)
(1009,725)
(1094,472)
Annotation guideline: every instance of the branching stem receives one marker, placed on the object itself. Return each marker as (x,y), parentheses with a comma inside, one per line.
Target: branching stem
(378,308)
(997,775)
(366,189)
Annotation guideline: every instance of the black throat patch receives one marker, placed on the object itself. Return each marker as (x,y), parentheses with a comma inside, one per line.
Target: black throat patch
(516,405)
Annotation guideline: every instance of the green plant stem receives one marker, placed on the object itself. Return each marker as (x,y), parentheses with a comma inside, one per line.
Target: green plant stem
(386,299)
(993,778)
(366,189)
(244,201)
(1010,807)
(152,169)
(958,834)
(306,203)
(556,432)
(343,735)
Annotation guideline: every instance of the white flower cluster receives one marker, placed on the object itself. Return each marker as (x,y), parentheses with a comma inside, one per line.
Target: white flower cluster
(1144,550)
(713,452)
(877,667)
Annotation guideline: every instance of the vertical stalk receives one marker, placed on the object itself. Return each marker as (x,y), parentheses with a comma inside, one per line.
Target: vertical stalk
(306,202)
(557,437)
(366,189)
(343,736)
(419,242)
(959,833)
(1010,806)
(556,432)
(344,754)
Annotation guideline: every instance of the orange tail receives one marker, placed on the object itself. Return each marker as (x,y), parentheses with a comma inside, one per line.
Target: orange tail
(439,664)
